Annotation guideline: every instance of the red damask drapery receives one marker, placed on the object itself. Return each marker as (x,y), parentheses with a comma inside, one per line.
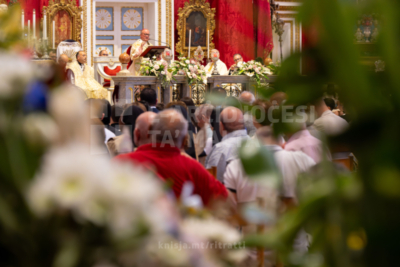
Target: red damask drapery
(234,31)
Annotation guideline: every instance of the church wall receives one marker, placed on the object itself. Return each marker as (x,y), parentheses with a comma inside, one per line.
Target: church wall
(157,17)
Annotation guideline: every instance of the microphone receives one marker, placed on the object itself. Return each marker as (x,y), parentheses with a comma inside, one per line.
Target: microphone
(160,42)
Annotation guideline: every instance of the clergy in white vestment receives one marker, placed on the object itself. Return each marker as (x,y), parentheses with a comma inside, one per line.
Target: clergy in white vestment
(216,62)
(82,76)
(136,50)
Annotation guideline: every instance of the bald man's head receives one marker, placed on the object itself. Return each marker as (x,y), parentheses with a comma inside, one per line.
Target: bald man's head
(231,119)
(247,97)
(145,35)
(63,60)
(169,127)
(143,126)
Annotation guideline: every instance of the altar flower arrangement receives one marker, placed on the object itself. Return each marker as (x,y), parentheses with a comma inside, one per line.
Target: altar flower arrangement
(193,70)
(159,68)
(254,69)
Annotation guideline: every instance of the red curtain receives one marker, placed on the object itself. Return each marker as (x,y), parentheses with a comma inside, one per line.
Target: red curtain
(234,31)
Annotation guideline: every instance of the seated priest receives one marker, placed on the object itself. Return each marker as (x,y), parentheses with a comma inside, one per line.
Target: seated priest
(136,50)
(82,75)
(221,66)
(238,62)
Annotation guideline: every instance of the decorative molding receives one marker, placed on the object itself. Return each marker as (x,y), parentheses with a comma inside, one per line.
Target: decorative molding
(122,19)
(85,26)
(91,28)
(112,18)
(125,45)
(183,13)
(105,37)
(130,37)
(159,22)
(289,8)
(169,31)
(295,30)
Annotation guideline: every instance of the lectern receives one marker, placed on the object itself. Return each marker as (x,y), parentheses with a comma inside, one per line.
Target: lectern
(153,51)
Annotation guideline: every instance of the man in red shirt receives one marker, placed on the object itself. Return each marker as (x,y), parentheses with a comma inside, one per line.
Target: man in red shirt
(162,153)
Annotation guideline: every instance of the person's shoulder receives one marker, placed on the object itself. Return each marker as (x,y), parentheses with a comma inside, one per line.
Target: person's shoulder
(299,158)
(124,157)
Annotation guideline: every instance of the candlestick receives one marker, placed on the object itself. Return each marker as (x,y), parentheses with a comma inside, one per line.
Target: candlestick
(34,24)
(44,25)
(29,30)
(190,41)
(208,44)
(54,34)
(23,21)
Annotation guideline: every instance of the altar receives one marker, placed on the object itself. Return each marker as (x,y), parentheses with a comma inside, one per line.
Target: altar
(180,88)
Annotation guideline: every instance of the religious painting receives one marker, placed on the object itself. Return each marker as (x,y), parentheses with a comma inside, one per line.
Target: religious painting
(196,22)
(104,18)
(132,19)
(108,48)
(63,29)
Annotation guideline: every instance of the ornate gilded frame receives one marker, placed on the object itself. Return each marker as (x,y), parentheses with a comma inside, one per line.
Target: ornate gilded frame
(70,7)
(183,14)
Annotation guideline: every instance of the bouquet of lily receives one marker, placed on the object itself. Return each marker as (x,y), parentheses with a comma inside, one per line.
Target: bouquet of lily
(254,69)
(156,68)
(191,69)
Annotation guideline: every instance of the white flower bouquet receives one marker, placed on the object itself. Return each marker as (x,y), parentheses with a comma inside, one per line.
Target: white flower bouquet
(156,68)
(254,69)
(191,69)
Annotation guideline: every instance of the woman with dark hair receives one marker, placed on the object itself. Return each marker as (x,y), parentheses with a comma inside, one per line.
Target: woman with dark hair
(191,108)
(181,107)
(124,143)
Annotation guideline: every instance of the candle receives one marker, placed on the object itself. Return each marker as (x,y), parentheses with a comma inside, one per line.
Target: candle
(29,29)
(34,24)
(190,41)
(208,44)
(54,34)
(44,25)
(23,21)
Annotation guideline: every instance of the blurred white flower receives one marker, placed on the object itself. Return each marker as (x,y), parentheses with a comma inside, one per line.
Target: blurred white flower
(163,72)
(39,129)
(194,76)
(187,62)
(15,74)
(249,74)
(210,229)
(156,67)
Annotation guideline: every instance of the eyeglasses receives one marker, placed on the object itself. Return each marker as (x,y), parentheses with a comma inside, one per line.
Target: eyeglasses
(145,34)
(237,59)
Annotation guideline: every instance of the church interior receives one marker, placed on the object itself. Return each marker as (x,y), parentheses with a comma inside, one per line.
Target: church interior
(204,133)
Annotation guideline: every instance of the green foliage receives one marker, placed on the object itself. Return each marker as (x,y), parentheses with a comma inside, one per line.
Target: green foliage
(351,216)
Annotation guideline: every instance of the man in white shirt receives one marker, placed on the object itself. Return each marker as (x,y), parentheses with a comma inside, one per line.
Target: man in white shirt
(244,191)
(248,98)
(231,127)
(216,62)
(327,122)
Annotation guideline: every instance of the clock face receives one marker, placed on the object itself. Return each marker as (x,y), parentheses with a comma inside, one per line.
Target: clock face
(103,18)
(132,19)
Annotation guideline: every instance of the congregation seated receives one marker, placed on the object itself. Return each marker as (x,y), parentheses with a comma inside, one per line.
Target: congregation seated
(233,132)
(150,96)
(203,140)
(188,148)
(169,129)
(245,191)
(247,99)
(125,142)
(327,122)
